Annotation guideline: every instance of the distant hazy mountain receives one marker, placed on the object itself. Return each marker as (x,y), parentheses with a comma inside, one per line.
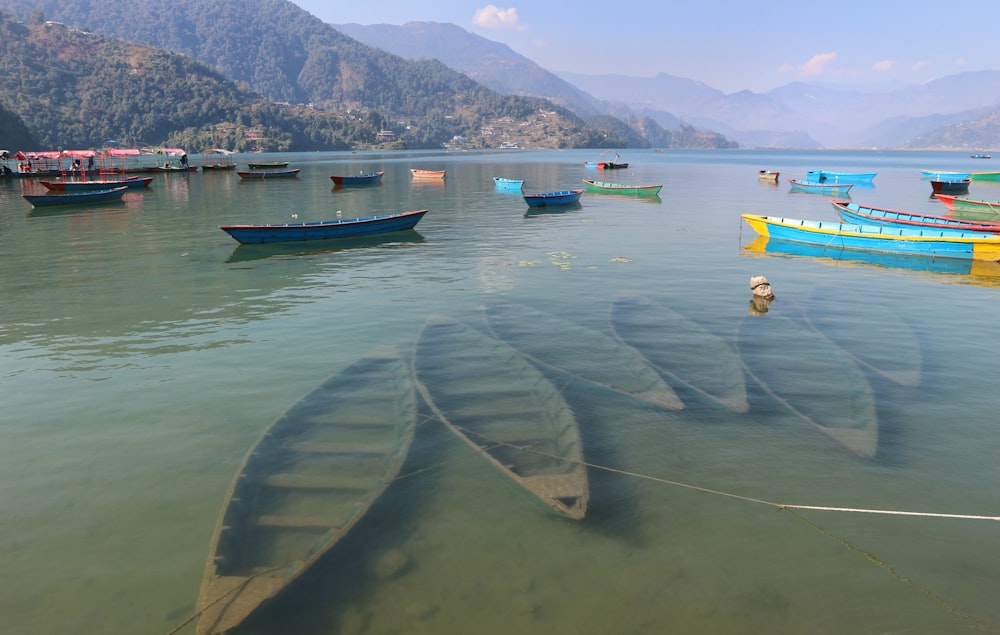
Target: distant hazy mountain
(492,64)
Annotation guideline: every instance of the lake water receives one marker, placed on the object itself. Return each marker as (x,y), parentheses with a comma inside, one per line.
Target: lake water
(142,352)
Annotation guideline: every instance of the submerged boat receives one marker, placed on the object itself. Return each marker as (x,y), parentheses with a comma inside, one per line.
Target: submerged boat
(826,176)
(622,188)
(268,174)
(501,183)
(768,175)
(545,199)
(324,230)
(97,184)
(812,378)
(306,483)
(921,242)
(593,357)
(372,178)
(861,215)
(682,349)
(505,409)
(830,189)
(76,198)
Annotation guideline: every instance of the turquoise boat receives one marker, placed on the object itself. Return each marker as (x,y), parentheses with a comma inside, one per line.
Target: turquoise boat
(76,198)
(622,188)
(945,175)
(508,184)
(861,215)
(825,176)
(830,189)
(922,242)
(324,230)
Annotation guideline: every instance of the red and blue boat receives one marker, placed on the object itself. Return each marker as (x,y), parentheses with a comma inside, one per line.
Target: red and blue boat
(372,178)
(861,215)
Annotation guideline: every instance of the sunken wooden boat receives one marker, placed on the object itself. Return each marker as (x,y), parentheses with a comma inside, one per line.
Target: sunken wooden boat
(863,215)
(623,188)
(566,347)
(371,178)
(833,236)
(505,409)
(82,197)
(811,378)
(97,184)
(307,482)
(549,199)
(324,230)
(268,174)
(682,349)
(886,345)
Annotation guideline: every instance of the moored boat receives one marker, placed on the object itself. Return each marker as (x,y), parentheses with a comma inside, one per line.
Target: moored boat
(267,165)
(324,230)
(681,349)
(946,185)
(945,175)
(984,176)
(622,188)
(268,174)
(308,481)
(922,242)
(979,156)
(97,184)
(502,183)
(595,357)
(862,215)
(830,189)
(371,178)
(428,174)
(548,199)
(985,208)
(76,198)
(768,175)
(505,409)
(826,176)
(812,378)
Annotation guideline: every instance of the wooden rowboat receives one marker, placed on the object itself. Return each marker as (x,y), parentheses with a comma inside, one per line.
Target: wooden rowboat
(76,198)
(811,378)
(622,188)
(681,349)
(97,184)
(428,174)
(861,215)
(546,199)
(372,178)
(592,357)
(826,176)
(268,174)
(324,230)
(988,209)
(305,484)
(946,185)
(898,240)
(768,175)
(829,189)
(268,165)
(501,183)
(505,409)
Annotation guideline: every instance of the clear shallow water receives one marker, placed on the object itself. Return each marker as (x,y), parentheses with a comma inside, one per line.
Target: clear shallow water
(142,352)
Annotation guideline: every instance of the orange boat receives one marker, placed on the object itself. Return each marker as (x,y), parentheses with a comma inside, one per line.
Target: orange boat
(428,174)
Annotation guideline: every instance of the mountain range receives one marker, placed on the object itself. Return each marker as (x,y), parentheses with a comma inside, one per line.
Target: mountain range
(437,73)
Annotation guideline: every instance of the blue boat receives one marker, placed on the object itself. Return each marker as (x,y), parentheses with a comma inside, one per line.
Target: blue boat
(945,185)
(945,175)
(76,198)
(830,189)
(267,174)
(324,230)
(922,242)
(825,176)
(861,215)
(372,178)
(98,184)
(548,199)
(508,184)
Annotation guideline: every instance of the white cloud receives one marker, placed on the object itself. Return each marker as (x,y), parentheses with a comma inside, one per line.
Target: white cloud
(813,67)
(493,17)
(919,66)
(883,66)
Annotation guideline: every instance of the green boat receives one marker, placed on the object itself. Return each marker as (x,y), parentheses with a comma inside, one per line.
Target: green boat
(984,176)
(622,188)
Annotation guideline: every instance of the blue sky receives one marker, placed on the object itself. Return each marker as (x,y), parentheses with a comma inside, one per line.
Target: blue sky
(730,45)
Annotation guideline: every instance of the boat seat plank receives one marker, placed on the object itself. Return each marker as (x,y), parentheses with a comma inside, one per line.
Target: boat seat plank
(298,522)
(321,481)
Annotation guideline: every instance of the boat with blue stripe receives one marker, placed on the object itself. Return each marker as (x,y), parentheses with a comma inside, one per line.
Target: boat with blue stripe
(861,215)
(825,176)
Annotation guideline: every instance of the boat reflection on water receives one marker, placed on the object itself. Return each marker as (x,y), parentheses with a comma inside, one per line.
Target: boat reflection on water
(244,253)
(962,271)
(553,210)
